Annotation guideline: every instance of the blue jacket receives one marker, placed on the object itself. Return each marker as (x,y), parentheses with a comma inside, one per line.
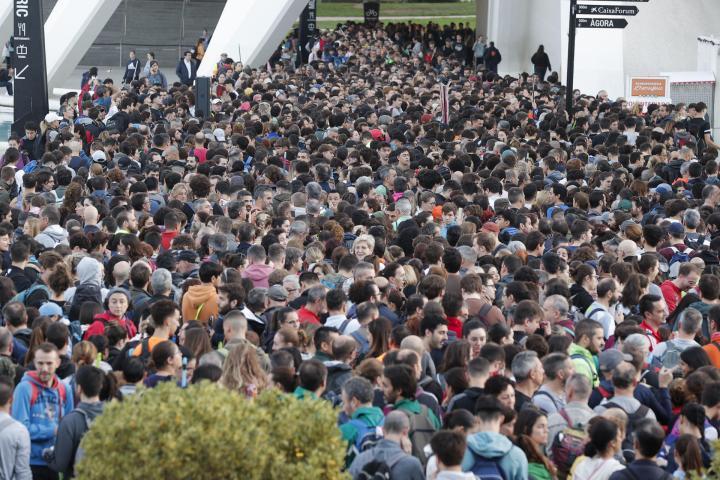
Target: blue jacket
(494,446)
(42,418)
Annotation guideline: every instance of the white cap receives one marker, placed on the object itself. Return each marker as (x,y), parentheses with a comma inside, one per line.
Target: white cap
(219,134)
(52,117)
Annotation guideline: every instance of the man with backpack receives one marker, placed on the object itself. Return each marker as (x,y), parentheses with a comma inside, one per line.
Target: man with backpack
(40,401)
(567,427)
(674,288)
(589,341)
(667,353)
(388,458)
(363,429)
(399,388)
(677,253)
(489,453)
(73,427)
(647,442)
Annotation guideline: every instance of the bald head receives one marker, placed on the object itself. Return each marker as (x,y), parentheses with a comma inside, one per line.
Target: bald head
(627,248)
(396,423)
(343,348)
(234,325)
(90,215)
(121,272)
(414,343)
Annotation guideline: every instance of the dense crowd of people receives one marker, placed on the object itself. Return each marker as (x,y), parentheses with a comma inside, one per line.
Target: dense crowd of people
(522,292)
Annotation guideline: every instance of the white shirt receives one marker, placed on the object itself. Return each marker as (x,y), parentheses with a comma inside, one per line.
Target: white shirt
(337,321)
(188,66)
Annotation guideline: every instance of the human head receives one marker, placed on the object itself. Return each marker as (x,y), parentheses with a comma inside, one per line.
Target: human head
(589,334)
(398,382)
(435,331)
(356,392)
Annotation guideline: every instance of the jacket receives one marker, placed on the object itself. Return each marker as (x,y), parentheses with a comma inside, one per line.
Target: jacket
(14,449)
(97,327)
(182,72)
(200,302)
(52,236)
(42,417)
(132,71)
(641,469)
(402,465)
(494,446)
(71,430)
(465,400)
(584,363)
(258,273)
(338,374)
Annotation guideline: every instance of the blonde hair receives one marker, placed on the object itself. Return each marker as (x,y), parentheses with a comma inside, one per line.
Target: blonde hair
(33,226)
(84,353)
(242,371)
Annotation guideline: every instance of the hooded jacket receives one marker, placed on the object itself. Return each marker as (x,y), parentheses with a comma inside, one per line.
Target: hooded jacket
(71,430)
(97,327)
(258,273)
(494,446)
(89,272)
(338,374)
(43,416)
(52,236)
(200,302)
(402,465)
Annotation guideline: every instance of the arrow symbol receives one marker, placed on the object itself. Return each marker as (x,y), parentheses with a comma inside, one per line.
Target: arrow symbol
(18,75)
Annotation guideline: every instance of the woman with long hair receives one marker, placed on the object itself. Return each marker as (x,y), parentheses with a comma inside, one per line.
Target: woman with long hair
(688,457)
(599,462)
(242,371)
(380,331)
(531,435)
(197,341)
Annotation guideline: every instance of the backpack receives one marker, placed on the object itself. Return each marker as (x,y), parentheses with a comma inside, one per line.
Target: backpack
(367,437)
(487,468)
(30,167)
(628,450)
(568,444)
(696,240)
(482,314)
(83,293)
(23,296)
(379,469)
(542,392)
(80,452)
(672,352)
(678,258)
(421,431)
(35,394)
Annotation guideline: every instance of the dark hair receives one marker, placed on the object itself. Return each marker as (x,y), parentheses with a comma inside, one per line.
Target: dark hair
(649,437)
(162,352)
(312,374)
(601,432)
(402,379)
(498,384)
(695,357)
(459,418)
(208,270)
(207,372)
(6,390)
(90,379)
(688,449)
(527,417)
(133,370)
(449,446)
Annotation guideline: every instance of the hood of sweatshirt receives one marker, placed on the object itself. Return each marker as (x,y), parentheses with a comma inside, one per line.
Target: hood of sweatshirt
(199,294)
(92,410)
(56,232)
(489,444)
(258,272)
(89,271)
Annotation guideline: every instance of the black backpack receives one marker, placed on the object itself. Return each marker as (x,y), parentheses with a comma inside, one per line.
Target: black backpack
(628,450)
(379,469)
(84,293)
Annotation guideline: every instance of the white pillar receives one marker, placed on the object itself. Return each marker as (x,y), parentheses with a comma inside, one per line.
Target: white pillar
(250,31)
(6,21)
(80,22)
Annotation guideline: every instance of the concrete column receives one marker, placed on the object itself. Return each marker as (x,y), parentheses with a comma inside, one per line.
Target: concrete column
(6,21)
(482,16)
(250,31)
(80,27)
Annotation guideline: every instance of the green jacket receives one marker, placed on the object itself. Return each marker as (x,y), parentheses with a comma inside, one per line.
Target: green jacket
(370,416)
(413,406)
(538,471)
(584,363)
(301,393)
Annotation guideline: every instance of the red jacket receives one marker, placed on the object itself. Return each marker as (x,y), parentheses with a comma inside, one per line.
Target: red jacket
(455,325)
(97,327)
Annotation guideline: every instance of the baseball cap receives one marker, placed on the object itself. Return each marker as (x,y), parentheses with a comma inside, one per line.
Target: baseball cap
(215,101)
(219,134)
(278,293)
(490,227)
(52,117)
(662,188)
(99,156)
(50,309)
(676,229)
(377,134)
(609,359)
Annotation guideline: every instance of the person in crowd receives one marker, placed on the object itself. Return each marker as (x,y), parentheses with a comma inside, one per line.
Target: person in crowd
(14,437)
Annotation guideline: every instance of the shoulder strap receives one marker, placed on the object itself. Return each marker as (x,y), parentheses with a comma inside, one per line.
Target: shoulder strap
(344,325)
(145,347)
(589,315)
(641,412)
(565,416)
(485,309)
(542,392)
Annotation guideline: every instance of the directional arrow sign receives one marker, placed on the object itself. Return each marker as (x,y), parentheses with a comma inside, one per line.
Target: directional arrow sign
(600,23)
(607,10)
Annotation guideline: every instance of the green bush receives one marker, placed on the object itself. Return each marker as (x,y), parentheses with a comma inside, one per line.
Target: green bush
(205,432)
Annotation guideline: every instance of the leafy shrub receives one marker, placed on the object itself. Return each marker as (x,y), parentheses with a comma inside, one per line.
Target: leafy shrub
(205,432)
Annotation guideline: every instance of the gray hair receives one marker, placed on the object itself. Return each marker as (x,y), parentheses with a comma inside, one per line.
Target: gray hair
(256,253)
(293,279)
(212,358)
(634,342)
(580,384)
(690,321)
(298,228)
(359,388)
(396,422)
(523,364)
(516,246)
(553,364)
(691,219)
(560,303)
(403,206)
(256,298)
(313,207)
(316,293)
(218,242)
(161,281)
(313,190)
(468,254)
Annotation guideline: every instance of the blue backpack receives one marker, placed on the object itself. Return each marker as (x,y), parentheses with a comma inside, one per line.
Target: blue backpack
(677,259)
(486,468)
(30,167)
(367,437)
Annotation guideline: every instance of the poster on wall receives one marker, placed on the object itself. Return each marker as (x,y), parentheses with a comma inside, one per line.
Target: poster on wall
(308,25)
